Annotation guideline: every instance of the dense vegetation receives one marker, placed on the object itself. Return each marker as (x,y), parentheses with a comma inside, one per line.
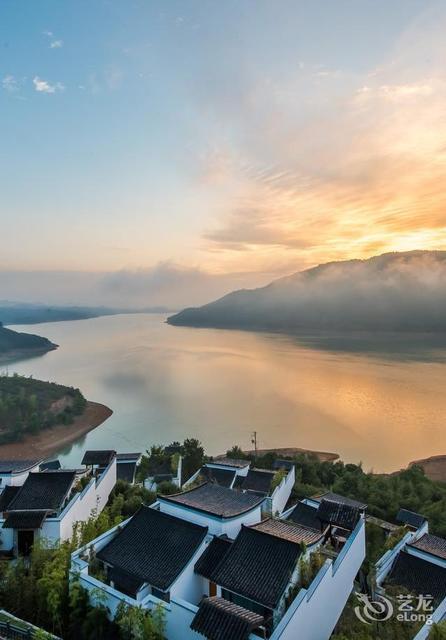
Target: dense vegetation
(12,341)
(166,459)
(384,494)
(27,406)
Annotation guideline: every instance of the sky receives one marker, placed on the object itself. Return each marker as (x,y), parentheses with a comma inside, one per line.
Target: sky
(170,151)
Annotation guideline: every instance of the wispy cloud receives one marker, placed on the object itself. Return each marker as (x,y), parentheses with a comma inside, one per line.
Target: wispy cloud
(360,170)
(10,84)
(43,86)
(56,44)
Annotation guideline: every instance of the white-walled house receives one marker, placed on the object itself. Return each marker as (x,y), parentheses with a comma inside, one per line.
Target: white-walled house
(221,510)
(49,503)
(240,476)
(13,473)
(211,560)
(417,564)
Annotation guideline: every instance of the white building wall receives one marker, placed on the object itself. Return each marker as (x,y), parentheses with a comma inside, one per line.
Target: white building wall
(16,479)
(218,526)
(315,611)
(438,616)
(282,492)
(189,585)
(6,537)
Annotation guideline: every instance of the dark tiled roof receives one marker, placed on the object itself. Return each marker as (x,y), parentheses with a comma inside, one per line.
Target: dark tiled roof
(258,480)
(126,471)
(216,500)
(305,515)
(431,544)
(288,531)
(223,477)
(50,465)
(336,497)
(219,619)
(418,576)
(231,462)
(211,557)
(154,547)
(128,456)
(410,518)
(339,514)
(6,496)
(46,491)
(16,466)
(258,566)
(123,579)
(101,458)
(24,519)
(283,464)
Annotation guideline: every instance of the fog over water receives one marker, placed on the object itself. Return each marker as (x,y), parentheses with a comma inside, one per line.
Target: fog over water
(376,400)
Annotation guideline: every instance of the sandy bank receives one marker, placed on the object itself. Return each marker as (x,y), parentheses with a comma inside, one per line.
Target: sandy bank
(47,442)
(434,467)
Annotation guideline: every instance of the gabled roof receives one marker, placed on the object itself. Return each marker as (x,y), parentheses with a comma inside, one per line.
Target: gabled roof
(17,466)
(101,458)
(46,490)
(212,556)
(336,497)
(154,547)
(223,477)
(215,500)
(418,576)
(231,462)
(431,544)
(24,519)
(128,456)
(50,465)
(6,496)
(410,518)
(339,514)
(126,471)
(258,566)
(258,480)
(219,619)
(288,531)
(305,515)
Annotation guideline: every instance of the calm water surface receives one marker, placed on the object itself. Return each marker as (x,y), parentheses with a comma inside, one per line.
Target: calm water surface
(382,402)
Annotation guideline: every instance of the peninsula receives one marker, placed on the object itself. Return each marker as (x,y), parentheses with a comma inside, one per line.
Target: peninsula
(38,418)
(15,345)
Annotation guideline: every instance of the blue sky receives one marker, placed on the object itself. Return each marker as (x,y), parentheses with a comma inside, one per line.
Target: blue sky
(214,136)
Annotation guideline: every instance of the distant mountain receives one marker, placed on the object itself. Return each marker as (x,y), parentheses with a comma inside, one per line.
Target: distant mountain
(390,292)
(13,343)
(22,313)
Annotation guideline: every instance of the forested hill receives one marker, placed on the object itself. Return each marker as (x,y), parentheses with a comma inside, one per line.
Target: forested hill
(393,292)
(28,406)
(12,342)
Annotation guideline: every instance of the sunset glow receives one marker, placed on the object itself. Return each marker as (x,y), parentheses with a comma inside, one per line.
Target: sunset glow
(239,142)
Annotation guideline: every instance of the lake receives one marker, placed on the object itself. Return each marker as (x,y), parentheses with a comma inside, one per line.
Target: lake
(381,401)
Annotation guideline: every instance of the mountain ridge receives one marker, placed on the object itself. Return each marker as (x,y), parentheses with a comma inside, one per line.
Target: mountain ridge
(395,291)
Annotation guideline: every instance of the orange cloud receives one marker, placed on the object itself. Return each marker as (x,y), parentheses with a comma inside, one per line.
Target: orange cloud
(364,174)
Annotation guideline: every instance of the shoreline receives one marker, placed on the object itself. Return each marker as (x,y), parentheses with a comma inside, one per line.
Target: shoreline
(49,441)
(18,354)
(289,452)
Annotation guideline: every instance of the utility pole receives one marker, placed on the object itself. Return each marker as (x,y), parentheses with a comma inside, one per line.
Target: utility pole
(254,442)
